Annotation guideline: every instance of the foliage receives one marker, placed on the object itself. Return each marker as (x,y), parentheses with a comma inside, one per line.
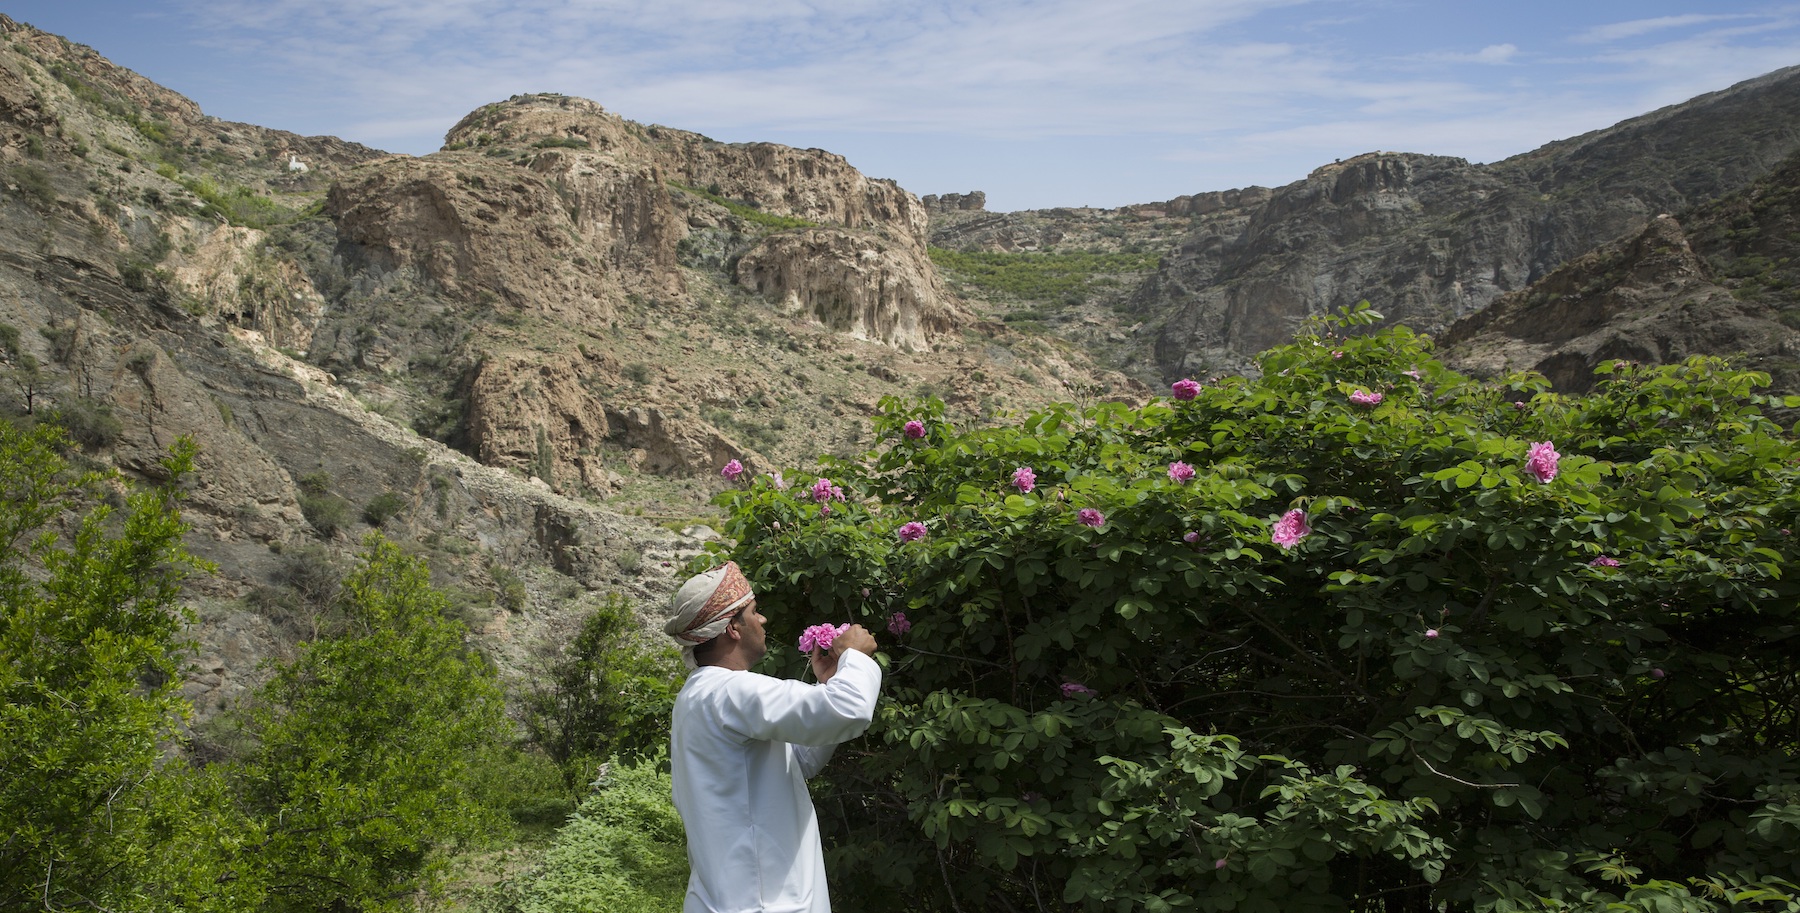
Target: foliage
(363,743)
(384,507)
(90,654)
(22,368)
(1439,698)
(561,142)
(89,422)
(746,211)
(1038,276)
(623,852)
(605,695)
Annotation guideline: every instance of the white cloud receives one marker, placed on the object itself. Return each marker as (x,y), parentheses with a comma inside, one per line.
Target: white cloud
(1620,30)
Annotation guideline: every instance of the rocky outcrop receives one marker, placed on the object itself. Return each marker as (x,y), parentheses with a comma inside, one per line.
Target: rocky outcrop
(231,277)
(973,201)
(852,283)
(1431,239)
(1713,281)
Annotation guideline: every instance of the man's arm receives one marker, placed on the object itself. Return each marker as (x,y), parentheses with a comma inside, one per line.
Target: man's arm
(803,714)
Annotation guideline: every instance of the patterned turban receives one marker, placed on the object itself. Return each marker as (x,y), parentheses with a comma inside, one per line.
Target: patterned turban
(705,605)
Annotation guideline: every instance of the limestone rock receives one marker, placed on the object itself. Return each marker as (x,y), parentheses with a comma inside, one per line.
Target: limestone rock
(853,283)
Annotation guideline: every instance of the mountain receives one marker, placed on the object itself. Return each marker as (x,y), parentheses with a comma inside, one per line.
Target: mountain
(1722,278)
(1428,239)
(525,357)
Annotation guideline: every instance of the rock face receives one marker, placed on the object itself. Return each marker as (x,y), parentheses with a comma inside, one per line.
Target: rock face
(973,201)
(1715,281)
(1430,239)
(853,284)
(551,210)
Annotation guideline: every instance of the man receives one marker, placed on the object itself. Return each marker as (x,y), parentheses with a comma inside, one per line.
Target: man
(743,745)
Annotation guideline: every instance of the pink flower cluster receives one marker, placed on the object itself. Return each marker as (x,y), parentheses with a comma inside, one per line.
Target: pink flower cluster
(1364,398)
(912,532)
(1185,389)
(1024,479)
(1090,517)
(820,636)
(915,429)
(898,625)
(1541,461)
(1070,689)
(1180,473)
(823,491)
(1604,561)
(732,471)
(1290,529)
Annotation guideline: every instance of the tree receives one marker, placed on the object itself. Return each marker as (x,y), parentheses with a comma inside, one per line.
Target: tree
(604,696)
(363,746)
(1360,633)
(90,657)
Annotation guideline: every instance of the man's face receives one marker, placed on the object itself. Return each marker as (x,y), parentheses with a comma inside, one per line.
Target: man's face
(750,625)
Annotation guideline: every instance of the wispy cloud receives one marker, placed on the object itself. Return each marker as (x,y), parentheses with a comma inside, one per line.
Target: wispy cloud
(1617,31)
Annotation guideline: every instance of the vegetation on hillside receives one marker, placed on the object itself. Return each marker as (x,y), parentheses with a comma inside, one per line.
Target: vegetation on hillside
(1068,276)
(1359,634)
(746,211)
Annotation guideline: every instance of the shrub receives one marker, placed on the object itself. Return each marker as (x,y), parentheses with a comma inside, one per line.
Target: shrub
(624,852)
(327,513)
(1392,656)
(90,422)
(364,744)
(384,507)
(604,696)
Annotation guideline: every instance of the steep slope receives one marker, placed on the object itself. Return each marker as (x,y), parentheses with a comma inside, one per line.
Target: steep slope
(1719,279)
(1431,239)
(525,357)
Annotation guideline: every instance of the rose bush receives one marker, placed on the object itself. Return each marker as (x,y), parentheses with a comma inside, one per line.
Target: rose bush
(1439,699)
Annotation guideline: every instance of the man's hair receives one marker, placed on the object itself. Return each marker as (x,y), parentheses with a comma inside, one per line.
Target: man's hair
(704,652)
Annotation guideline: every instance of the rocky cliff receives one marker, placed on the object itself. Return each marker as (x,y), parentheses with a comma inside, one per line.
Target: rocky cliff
(1718,279)
(1432,239)
(525,357)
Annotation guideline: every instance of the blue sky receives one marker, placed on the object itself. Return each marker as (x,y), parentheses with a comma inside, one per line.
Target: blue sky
(1039,103)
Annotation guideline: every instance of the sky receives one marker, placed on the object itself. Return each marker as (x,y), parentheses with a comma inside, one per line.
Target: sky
(1038,103)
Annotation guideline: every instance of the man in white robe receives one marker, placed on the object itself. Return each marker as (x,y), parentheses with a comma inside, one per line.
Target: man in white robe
(743,745)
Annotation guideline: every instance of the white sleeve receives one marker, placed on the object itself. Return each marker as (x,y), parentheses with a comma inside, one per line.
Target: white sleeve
(777,710)
(812,758)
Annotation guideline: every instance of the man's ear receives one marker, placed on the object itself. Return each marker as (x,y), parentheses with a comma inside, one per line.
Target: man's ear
(731,628)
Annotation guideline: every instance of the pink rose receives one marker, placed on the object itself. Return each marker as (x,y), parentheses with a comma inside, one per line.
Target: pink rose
(915,429)
(1335,353)
(1180,473)
(1657,673)
(1604,561)
(1191,537)
(1070,689)
(732,471)
(1362,398)
(912,532)
(1431,634)
(1414,373)
(1024,479)
(898,625)
(1290,529)
(820,636)
(1090,517)
(823,491)
(1541,461)
(1185,389)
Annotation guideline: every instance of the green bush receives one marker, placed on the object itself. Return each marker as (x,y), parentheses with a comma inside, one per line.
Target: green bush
(384,507)
(1463,688)
(624,852)
(327,513)
(364,744)
(90,690)
(90,422)
(605,695)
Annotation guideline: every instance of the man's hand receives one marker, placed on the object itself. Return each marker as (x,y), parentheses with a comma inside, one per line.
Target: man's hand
(825,665)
